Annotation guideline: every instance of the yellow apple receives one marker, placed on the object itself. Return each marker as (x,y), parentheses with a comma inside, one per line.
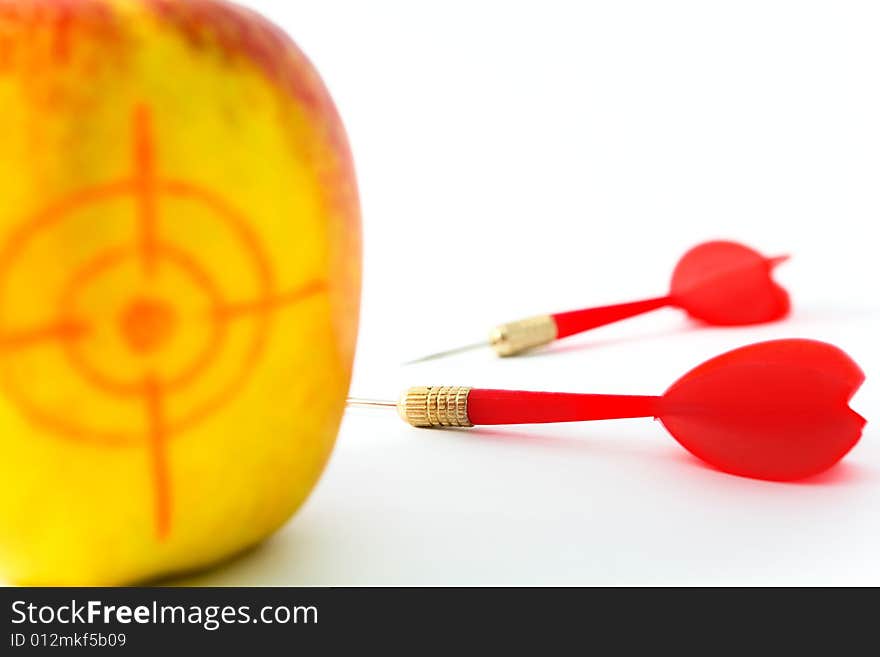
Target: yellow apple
(179,285)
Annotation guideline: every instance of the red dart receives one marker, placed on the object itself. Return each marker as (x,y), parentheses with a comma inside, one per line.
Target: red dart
(719,283)
(774,410)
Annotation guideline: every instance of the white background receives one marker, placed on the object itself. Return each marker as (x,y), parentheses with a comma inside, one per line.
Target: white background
(517,158)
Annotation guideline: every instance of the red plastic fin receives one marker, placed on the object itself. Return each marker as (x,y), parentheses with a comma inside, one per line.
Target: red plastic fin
(774,410)
(728,284)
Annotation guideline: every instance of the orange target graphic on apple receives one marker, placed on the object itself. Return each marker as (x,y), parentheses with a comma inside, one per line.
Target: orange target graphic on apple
(131,334)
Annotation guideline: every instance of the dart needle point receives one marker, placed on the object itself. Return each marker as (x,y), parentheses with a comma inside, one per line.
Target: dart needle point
(447,352)
(359,402)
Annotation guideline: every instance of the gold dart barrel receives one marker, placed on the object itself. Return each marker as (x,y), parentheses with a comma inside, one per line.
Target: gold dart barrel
(435,406)
(515,337)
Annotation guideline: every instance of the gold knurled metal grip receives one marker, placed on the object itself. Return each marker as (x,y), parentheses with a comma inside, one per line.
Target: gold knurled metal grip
(435,406)
(516,337)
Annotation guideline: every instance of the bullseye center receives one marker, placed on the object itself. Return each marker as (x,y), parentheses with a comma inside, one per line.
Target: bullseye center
(146,324)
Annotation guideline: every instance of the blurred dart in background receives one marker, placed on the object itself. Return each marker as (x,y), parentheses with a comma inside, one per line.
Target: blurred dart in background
(719,283)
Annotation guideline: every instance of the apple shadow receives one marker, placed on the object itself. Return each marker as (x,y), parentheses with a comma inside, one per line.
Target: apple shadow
(257,565)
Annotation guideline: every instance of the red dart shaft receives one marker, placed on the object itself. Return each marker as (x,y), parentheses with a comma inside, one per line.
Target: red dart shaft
(522,407)
(577,321)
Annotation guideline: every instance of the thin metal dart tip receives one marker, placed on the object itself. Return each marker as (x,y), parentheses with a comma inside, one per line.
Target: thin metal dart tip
(448,352)
(357,402)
